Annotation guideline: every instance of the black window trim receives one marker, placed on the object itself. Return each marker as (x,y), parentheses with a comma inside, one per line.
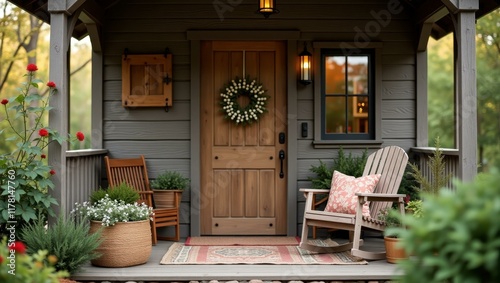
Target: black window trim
(371,95)
(349,47)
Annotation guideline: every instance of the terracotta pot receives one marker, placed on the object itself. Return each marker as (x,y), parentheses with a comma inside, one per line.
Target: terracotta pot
(394,253)
(166,198)
(124,244)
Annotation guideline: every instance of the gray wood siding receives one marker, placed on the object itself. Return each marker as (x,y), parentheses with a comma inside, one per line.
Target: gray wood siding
(164,138)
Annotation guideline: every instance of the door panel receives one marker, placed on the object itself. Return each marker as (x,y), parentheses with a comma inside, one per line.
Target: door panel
(241,191)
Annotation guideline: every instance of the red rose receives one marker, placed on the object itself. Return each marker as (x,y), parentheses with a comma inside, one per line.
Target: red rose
(80,136)
(52,172)
(1,259)
(43,156)
(43,132)
(51,84)
(32,68)
(19,247)
(5,101)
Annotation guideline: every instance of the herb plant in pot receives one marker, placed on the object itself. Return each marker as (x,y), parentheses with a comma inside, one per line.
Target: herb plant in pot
(393,248)
(124,223)
(167,189)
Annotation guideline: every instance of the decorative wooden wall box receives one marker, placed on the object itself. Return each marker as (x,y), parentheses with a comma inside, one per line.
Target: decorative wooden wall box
(146,80)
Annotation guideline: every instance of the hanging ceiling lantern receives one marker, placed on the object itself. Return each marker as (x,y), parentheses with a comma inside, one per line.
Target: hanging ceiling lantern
(267,8)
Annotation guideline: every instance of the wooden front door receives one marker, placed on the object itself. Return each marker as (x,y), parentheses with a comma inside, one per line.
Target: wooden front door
(243,179)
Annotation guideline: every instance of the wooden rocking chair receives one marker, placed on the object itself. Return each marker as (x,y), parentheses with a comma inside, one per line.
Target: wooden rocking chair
(390,162)
(134,173)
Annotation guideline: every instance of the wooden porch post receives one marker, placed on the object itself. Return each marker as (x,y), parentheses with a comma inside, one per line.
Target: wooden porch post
(463,12)
(60,36)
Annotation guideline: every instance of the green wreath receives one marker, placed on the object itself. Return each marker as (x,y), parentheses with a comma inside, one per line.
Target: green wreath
(250,113)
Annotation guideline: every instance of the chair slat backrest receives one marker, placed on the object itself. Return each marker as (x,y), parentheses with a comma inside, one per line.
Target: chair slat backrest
(131,171)
(390,162)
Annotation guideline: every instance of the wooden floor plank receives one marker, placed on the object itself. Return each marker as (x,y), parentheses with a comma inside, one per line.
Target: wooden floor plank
(153,271)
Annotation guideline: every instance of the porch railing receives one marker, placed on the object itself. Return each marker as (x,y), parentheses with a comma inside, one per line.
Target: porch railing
(451,158)
(84,170)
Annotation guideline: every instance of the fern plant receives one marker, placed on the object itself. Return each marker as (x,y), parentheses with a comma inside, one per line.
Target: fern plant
(438,177)
(346,164)
(68,240)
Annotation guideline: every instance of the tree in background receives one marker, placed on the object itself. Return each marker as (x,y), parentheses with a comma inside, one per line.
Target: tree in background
(488,88)
(440,82)
(25,40)
(441,102)
(19,34)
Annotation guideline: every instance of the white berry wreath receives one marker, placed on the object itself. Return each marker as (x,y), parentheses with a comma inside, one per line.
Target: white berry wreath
(250,113)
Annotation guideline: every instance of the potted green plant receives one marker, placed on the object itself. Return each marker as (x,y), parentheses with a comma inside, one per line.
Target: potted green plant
(125,226)
(167,189)
(393,248)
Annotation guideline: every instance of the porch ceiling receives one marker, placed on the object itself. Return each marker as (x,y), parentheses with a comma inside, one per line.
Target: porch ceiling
(425,11)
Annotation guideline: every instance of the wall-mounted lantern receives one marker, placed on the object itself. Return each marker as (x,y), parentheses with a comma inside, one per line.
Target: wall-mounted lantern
(305,66)
(267,8)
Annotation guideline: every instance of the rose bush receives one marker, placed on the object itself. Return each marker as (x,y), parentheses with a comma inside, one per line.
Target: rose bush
(24,173)
(18,267)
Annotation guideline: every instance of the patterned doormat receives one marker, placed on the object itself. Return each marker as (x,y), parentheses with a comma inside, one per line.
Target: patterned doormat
(179,253)
(242,241)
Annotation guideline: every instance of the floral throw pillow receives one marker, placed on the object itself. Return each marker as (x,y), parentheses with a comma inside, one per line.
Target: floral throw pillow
(343,199)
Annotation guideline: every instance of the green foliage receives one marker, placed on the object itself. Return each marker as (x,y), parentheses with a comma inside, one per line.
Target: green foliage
(19,267)
(122,192)
(441,103)
(438,177)
(458,239)
(488,100)
(348,165)
(409,185)
(24,173)
(68,240)
(440,95)
(414,207)
(392,219)
(170,180)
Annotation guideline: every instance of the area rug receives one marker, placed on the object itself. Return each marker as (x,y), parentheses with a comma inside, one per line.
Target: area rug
(242,241)
(179,253)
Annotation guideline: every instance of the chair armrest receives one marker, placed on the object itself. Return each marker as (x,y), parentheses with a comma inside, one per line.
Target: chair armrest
(311,203)
(380,197)
(314,191)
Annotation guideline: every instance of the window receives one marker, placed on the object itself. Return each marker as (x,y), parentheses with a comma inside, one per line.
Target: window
(347,95)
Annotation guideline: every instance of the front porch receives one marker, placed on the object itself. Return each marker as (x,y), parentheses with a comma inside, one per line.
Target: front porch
(379,270)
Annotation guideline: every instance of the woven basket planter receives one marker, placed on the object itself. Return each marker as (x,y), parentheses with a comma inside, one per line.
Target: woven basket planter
(124,244)
(166,198)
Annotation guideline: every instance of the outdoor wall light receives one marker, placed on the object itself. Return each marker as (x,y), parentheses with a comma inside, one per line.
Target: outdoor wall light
(267,8)
(305,66)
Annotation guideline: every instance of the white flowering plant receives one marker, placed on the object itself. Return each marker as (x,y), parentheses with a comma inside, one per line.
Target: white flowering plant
(247,114)
(111,211)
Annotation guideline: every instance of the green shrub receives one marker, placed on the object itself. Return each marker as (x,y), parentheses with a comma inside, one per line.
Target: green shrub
(438,177)
(348,165)
(170,180)
(121,192)
(409,186)
(458,239)
(67,239)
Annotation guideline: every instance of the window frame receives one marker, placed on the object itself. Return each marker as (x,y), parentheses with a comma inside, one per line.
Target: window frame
(373,138)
